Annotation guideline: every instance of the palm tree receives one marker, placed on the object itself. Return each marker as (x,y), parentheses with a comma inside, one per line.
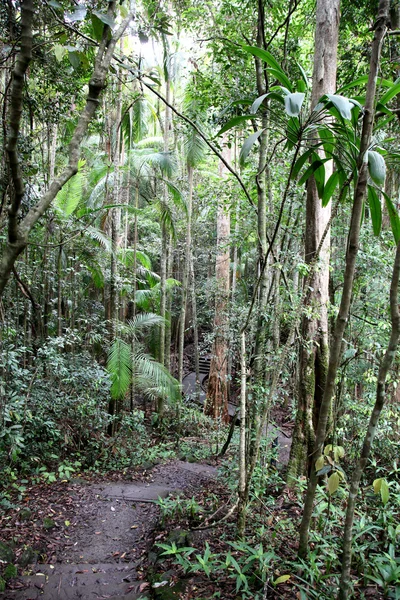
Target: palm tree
(128,363)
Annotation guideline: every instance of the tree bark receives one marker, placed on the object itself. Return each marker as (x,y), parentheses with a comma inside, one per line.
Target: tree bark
(313,360)
(186,275)
(351,255)
(217,390)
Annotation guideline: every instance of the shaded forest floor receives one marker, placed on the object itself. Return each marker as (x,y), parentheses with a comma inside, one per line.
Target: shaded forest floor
(147,533)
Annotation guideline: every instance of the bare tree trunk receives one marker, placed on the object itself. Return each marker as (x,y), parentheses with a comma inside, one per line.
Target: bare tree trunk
(186,275)
(242,489)
(217,390)
(373,422)
(351,255)
(314,347)
(195,328)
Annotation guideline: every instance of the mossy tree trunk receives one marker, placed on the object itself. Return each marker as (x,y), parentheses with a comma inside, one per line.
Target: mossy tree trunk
(313,360)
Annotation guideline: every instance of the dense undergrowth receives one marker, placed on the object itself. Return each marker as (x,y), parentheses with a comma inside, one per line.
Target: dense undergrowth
(54,427)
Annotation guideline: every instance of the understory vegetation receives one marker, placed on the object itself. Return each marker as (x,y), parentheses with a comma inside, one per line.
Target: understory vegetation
(200,262)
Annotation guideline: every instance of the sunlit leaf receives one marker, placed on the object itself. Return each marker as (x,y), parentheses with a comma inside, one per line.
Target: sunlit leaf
(342,104)
(376,167)
(384,492)
(333,482)
(247,146)
(293,103)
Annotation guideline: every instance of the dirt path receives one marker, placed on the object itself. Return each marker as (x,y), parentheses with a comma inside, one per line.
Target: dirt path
(102,552)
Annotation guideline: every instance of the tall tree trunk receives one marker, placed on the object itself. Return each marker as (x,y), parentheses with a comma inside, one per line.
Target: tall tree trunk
(195,328)
(242,488)
(164,245)
(313,360)
(217,390)
(186,275)
(351,255)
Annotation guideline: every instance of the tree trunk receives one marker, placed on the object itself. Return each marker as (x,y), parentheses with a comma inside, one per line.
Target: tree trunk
(313,360)
(351,255)
(217,390)
(186,275)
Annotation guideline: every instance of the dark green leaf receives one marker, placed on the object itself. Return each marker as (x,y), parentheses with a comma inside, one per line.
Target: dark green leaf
(265,56)
(316,164)
(376,210)
(330,187)
(233,122)
(300,162)
(394,218)
(281,77)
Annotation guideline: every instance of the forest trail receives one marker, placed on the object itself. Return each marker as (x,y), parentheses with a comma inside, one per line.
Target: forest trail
(102,554)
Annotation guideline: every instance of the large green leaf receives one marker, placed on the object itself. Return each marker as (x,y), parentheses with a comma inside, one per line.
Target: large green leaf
(281,77)
(391,93)
(376,210)
(330,187)
(233,122)
(300,162)
(361,81)
(316,164)
(265,56)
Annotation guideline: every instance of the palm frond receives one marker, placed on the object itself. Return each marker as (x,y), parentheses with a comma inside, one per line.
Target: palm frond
(143,320)
(195,148)
(70,195)
(156,142)
(119,366)
(154,379)
(177,197)
(100,237)
(127,258)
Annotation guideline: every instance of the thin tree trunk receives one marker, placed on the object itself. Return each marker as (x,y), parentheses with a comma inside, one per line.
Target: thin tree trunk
(195,328)
(242,506)
(186,275)
(373,422)
(351,255)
